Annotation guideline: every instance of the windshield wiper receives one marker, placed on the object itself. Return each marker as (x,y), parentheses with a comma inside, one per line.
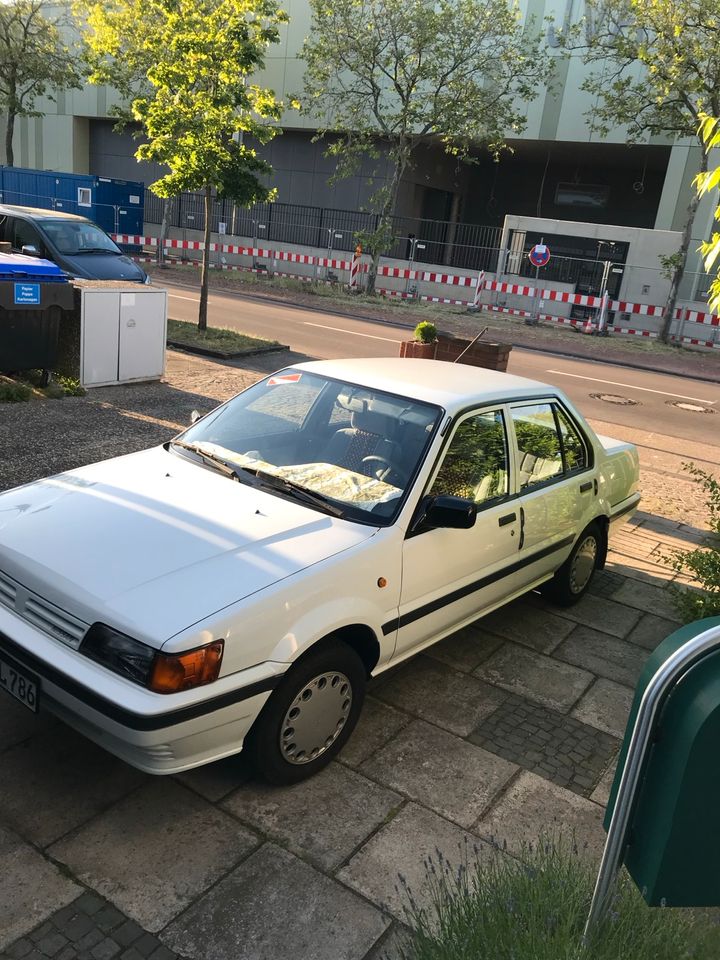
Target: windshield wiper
(99,250)
(296,490)
(210,458)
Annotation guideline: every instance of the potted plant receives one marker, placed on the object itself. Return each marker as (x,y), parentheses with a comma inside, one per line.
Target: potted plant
(424,342)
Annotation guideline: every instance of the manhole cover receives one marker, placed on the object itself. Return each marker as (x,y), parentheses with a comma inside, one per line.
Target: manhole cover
(692,407)
(615,398)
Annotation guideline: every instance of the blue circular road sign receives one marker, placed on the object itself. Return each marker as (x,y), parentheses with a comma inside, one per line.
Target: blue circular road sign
(540,255)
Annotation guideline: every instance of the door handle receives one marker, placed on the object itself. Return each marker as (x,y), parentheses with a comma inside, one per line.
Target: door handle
(584,487)
(508,518)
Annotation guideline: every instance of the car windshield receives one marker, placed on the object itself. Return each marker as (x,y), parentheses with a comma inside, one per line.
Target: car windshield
(356,447)
(73,237)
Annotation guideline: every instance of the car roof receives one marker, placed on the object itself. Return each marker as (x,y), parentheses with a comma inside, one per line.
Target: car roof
(36,213)
(453,386)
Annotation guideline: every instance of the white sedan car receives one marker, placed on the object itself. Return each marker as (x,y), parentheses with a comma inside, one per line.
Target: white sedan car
(235,587)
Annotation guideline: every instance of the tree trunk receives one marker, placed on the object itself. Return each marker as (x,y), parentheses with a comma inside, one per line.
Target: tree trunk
(683,251)
(9,130)
(202,312)
(384,224)
(164,227)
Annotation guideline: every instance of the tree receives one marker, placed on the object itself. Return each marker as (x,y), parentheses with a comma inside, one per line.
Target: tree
(396,74)
(184,67)
(34,59)
(659,70)
(710,132)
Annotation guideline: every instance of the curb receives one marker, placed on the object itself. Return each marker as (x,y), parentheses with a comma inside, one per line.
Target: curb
(630,364)
(221,355)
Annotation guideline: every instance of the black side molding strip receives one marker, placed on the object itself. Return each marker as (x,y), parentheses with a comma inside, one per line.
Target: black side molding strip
(465,591)
(127,718)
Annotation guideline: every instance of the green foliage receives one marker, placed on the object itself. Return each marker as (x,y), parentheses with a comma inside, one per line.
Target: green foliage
(493,907)
(425,332)
(12,392)
(216,338)
(184,64)
(69,385)
(185,67)
(670,263)
(34,60)
(384,77)
(657,72)
(710,133)
(702,564)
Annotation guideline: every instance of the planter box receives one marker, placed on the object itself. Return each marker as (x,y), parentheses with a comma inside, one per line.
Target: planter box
(417,350)
(492,356)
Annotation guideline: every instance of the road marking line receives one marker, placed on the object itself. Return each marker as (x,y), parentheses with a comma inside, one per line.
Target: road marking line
(352,333)
(175,296)
(629,386)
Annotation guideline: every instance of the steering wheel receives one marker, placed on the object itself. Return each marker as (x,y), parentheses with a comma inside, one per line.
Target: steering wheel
(385,469)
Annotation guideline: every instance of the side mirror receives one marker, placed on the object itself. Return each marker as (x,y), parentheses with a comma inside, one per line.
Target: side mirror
(30,250)
(195,416)
(454,513)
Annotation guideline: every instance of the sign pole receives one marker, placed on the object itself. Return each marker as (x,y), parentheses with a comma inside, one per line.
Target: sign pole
(667,675)
(539,256)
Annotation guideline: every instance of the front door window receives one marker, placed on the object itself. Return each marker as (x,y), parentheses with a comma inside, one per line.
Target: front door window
(476,463)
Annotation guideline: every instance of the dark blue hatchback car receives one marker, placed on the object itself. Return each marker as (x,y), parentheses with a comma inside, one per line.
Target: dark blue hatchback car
(78,246)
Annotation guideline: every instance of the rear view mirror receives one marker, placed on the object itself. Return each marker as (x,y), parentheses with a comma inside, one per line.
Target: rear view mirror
(455,513)
(30,250)
(195,416)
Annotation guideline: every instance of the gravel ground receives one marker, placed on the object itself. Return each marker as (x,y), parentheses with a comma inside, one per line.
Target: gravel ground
(46,436)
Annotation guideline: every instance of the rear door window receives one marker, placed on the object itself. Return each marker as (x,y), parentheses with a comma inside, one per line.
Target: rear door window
(549,444)
(540,452)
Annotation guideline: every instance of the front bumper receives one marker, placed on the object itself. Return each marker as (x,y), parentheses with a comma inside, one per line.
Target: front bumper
(156,733)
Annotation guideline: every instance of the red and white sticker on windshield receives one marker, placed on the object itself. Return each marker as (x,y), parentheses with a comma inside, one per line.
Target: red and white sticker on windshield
(284,378)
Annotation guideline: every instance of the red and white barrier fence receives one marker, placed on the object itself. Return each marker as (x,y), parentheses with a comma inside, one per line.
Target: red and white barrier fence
(356,267)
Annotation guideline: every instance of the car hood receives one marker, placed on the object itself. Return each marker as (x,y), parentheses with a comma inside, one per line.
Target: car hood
(99,266)
(151,543)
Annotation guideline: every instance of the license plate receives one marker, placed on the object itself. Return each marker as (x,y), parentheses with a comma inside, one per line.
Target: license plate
(20,685)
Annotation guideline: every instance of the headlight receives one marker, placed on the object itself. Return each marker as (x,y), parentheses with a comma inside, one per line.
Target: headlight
(119,653)
(161,672)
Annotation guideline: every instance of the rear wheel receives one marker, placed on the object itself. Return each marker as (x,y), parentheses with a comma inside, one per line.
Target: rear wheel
(310,715)
(572,580)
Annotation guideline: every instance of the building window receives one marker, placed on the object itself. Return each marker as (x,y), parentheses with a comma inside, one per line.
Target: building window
(590,195)
(84,197)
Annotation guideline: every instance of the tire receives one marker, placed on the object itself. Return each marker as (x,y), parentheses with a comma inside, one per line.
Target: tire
(325,679)
(573,578)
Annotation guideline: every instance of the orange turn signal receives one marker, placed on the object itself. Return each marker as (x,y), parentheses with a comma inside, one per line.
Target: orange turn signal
(173,672)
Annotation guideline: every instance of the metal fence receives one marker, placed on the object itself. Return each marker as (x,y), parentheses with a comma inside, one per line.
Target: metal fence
(462,245)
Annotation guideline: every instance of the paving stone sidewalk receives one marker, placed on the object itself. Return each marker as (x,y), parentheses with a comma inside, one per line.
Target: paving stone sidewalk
(507,727)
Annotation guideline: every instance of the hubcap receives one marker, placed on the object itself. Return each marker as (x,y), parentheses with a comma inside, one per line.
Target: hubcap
(583,564)
(316,717)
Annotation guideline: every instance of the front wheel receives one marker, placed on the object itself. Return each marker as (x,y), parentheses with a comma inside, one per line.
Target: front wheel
(310,715)
(574,577)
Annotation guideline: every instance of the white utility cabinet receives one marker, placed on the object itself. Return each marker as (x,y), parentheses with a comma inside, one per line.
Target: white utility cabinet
(122,335)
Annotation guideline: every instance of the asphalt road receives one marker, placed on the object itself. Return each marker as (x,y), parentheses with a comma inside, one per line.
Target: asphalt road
(634,398)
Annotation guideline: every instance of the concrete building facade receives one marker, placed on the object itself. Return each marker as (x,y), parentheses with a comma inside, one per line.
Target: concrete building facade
(558,168)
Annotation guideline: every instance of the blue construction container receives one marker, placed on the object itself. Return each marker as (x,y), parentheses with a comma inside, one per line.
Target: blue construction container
(115,205)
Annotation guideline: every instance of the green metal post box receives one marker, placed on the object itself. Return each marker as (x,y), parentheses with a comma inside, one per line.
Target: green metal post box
(673,842)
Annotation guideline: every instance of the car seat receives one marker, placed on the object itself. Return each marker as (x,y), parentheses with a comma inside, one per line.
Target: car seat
(370,434)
